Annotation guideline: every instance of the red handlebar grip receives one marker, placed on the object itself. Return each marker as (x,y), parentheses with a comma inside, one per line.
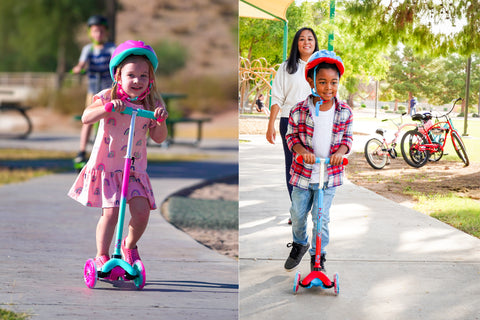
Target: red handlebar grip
(345,161)
(109,107)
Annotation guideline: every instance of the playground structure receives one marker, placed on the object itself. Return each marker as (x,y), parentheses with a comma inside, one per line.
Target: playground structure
(254,77)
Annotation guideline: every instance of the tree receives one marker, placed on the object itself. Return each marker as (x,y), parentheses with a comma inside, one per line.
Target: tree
(41,33)
(383,23)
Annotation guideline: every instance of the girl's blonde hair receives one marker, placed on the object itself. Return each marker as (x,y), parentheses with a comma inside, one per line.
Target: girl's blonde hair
(150,101)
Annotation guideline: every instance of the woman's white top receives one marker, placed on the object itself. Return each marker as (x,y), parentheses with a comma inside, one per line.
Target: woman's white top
(289,89)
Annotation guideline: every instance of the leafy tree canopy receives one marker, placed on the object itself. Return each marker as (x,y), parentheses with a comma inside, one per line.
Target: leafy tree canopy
(35,32)
(383,23)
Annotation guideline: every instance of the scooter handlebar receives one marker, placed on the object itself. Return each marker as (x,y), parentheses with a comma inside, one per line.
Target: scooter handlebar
(128,110)
(318,160)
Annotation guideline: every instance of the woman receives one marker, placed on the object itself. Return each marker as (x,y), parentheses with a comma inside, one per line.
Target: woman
(289,88)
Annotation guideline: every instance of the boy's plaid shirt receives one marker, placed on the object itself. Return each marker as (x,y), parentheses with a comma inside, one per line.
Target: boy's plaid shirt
(300,130)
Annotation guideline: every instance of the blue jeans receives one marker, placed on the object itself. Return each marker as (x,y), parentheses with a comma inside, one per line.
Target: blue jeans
(304,200)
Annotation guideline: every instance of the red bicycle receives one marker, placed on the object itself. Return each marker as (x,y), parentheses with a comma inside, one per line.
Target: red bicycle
(428,141)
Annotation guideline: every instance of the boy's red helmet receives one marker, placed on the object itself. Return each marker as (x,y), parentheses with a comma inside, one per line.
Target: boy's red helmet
(324,56)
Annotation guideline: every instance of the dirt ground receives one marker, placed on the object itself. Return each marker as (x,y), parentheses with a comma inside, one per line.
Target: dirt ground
(398,180)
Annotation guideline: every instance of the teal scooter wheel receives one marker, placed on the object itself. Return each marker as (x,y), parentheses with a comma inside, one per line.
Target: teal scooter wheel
(140,279)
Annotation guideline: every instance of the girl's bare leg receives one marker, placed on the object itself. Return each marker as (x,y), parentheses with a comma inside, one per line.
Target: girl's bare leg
(105,230)
(140,211)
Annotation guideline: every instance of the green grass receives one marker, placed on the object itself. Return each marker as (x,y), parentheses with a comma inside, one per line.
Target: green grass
(205,214)
(9,315)
(15,175)
(461,213)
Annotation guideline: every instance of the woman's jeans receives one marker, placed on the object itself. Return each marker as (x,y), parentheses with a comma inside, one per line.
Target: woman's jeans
(304,200)
(288,154)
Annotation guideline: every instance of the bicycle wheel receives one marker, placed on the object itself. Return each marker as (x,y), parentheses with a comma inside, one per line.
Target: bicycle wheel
(375,153)
(411,140)
(460,147)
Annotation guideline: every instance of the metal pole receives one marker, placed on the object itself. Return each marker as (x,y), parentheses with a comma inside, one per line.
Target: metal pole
(285,39)
(467,93)
(331,34)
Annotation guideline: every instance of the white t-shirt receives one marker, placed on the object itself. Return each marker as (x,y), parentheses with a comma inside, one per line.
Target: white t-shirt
(289,89)
(322,137)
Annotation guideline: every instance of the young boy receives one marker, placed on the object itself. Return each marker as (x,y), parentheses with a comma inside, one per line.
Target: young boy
(320,126)
(97,56)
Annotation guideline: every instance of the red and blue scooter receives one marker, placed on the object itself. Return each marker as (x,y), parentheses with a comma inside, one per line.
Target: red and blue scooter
(316,277)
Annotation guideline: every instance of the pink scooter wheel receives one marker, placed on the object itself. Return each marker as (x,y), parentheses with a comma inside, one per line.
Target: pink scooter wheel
(140,269)
(90,273)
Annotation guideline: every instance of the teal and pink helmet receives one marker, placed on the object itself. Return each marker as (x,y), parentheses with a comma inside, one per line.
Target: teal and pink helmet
(131,47)
(324,56)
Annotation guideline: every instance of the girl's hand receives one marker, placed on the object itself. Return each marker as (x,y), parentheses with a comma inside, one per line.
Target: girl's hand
(119,105)
(161,114)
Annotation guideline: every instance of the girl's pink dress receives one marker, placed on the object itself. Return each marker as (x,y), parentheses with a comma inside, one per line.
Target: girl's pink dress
(100,181)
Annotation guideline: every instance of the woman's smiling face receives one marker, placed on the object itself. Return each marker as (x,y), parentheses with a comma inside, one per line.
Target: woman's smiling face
(306,44)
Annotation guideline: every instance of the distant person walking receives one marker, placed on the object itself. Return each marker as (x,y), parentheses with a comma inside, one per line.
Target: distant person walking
(413,106)
(289,88)
(95,56)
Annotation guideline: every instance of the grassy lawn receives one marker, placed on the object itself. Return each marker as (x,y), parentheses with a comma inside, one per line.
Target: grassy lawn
(9,315)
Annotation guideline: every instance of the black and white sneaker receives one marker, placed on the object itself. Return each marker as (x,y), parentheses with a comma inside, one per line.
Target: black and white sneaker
(296,255)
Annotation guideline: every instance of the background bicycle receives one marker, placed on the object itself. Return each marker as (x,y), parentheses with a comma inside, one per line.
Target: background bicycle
(428,142)
(378,150)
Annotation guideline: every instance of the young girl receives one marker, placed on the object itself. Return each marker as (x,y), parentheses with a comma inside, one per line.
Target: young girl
(132,68)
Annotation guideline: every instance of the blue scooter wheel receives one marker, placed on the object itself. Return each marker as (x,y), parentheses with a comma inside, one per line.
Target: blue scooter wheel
(141,275)
(336,285)
(296,282)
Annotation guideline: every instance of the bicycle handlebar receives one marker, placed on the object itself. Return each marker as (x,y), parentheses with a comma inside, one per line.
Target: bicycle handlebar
(318,160)
(129,110)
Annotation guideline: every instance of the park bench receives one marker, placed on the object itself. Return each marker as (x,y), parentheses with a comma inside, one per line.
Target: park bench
(11,99)
(171,128)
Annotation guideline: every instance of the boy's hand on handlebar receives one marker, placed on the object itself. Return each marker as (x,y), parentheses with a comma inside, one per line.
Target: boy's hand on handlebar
(336,159)
(308,157)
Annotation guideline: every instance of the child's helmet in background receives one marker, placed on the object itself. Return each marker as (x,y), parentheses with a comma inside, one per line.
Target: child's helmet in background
(97,20)
(324,56)
(131,47)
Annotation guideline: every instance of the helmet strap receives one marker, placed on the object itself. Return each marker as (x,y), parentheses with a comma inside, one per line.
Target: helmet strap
(124,96)
(315,94)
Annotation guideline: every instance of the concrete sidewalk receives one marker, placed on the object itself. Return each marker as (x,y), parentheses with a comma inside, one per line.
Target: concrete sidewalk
(394,262)
(46,238)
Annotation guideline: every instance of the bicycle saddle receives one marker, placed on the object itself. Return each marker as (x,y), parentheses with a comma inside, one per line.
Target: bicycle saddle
(381,131)
(422,116)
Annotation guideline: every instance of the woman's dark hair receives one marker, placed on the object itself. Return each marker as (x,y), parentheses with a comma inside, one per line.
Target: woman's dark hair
(323,65)
(292,61)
